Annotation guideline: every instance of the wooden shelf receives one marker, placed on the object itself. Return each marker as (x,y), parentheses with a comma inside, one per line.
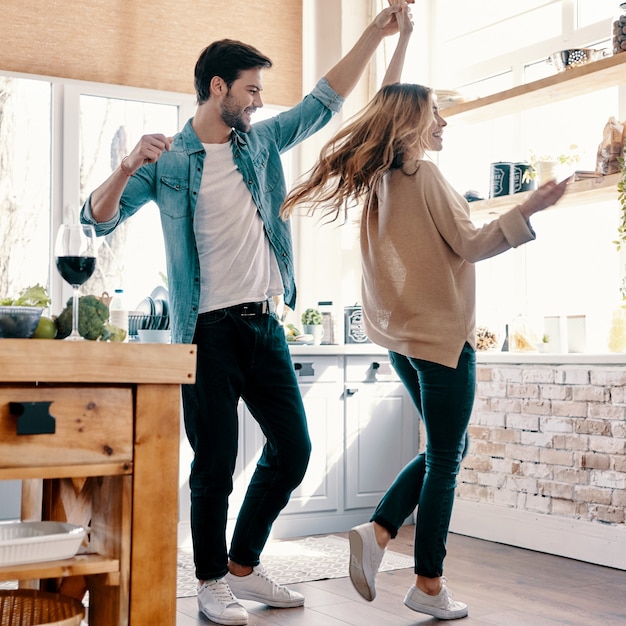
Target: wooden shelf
(579,192)
(66,471)
(80,565)
(576,81)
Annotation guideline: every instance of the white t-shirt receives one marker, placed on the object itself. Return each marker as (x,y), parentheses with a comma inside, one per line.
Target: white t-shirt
(237,263)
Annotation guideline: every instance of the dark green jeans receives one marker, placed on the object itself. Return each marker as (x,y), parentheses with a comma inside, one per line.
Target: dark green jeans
(247,358)
(444,397)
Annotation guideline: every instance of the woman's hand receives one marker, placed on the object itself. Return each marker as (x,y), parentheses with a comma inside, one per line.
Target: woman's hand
(405,26)
(404,20)
(544,197)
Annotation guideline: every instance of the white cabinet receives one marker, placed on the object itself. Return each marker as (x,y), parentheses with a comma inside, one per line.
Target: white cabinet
(363,428)
(381,429)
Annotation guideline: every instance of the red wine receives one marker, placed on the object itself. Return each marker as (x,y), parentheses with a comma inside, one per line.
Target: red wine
(76,269)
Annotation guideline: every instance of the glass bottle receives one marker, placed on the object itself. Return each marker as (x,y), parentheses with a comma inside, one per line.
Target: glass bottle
(328,321)
(505,343)
(118,311)
(617,331)
(619,30)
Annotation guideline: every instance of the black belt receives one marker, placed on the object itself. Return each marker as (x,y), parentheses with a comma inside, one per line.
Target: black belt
(250,309)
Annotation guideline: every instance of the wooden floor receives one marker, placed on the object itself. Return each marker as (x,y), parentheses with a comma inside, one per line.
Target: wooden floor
(502,586)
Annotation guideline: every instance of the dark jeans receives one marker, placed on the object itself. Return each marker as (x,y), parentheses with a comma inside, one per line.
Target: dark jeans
(247,358)
(444,398)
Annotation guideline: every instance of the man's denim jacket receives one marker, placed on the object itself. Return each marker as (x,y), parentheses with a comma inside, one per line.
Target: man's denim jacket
(173,183)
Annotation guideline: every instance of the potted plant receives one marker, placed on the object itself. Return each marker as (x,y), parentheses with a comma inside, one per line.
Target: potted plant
(545,166)
(545,341)
(312,325)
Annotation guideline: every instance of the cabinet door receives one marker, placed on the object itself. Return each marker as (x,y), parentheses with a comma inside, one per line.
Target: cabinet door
(319,490)
(320,379)
(321,388)
(381,438)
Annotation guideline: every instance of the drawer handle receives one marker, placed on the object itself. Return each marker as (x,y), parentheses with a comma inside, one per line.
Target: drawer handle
(33,418)
(304,369)
(376,368)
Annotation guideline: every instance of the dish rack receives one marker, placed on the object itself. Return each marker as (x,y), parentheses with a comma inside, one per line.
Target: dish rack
(31,542)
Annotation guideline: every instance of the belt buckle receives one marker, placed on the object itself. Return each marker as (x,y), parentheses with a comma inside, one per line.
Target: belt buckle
(255,308)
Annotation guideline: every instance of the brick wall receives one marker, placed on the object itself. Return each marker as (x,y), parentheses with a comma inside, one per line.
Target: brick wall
(549,439)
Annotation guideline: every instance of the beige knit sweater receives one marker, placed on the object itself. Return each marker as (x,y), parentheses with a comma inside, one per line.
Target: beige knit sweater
(418,248)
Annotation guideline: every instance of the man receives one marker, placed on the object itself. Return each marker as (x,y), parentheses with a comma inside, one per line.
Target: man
(219,186)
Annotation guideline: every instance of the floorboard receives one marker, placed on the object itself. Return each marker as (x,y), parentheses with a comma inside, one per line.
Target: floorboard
(502,585)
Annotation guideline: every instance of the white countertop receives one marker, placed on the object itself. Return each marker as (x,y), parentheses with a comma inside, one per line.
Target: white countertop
(355,349)
(548,358)
(338,350)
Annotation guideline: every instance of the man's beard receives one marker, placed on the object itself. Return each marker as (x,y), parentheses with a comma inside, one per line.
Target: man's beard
(232,116)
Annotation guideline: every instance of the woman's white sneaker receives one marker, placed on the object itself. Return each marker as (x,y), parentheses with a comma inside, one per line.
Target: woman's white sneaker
(441,606)
(365,558)
(217,602)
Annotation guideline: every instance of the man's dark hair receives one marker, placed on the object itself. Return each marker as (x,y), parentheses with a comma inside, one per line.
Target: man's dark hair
(226,58)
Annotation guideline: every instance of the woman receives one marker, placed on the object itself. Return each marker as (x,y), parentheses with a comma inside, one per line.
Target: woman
(418,248)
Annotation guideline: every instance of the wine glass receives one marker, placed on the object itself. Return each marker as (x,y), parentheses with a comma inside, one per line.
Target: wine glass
(75,253)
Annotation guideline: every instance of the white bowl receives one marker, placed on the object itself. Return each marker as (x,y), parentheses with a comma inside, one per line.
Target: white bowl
(30,542)
(153,336)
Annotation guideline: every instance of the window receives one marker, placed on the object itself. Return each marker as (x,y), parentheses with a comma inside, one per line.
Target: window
(82,131)
(25,183)
(133,257)
(573,267)
(592,11)
(471,43)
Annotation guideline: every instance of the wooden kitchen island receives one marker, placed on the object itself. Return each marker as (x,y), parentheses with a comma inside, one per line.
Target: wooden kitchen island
(92,431)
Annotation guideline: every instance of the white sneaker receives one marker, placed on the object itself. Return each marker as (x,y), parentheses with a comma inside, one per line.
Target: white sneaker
(365,558)
(258,586)
(441,606)
(217,602)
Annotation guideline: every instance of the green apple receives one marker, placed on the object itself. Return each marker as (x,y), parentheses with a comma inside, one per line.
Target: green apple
(46,329)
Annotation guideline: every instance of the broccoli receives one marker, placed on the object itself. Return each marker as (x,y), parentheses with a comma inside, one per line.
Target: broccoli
(93,314)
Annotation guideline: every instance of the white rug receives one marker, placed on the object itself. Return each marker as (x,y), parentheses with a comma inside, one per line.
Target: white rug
(296,561)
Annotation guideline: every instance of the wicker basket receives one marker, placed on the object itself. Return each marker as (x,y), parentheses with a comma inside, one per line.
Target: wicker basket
(29,607)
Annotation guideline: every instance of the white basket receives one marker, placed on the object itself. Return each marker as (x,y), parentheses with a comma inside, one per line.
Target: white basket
(32,542)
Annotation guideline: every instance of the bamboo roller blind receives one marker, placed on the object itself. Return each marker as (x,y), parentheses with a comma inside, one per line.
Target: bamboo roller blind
(149,43)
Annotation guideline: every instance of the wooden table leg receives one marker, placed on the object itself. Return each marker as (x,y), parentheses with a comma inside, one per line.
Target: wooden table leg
(155,505)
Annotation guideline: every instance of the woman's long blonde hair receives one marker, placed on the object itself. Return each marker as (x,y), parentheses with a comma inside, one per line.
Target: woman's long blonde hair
(392,128)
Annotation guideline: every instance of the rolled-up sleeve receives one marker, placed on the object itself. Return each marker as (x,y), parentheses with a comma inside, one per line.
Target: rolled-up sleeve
(101,228)
(327,96)
(516,229)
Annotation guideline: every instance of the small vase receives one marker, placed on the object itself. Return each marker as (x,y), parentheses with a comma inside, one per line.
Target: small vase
(546,170)
(317,330)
